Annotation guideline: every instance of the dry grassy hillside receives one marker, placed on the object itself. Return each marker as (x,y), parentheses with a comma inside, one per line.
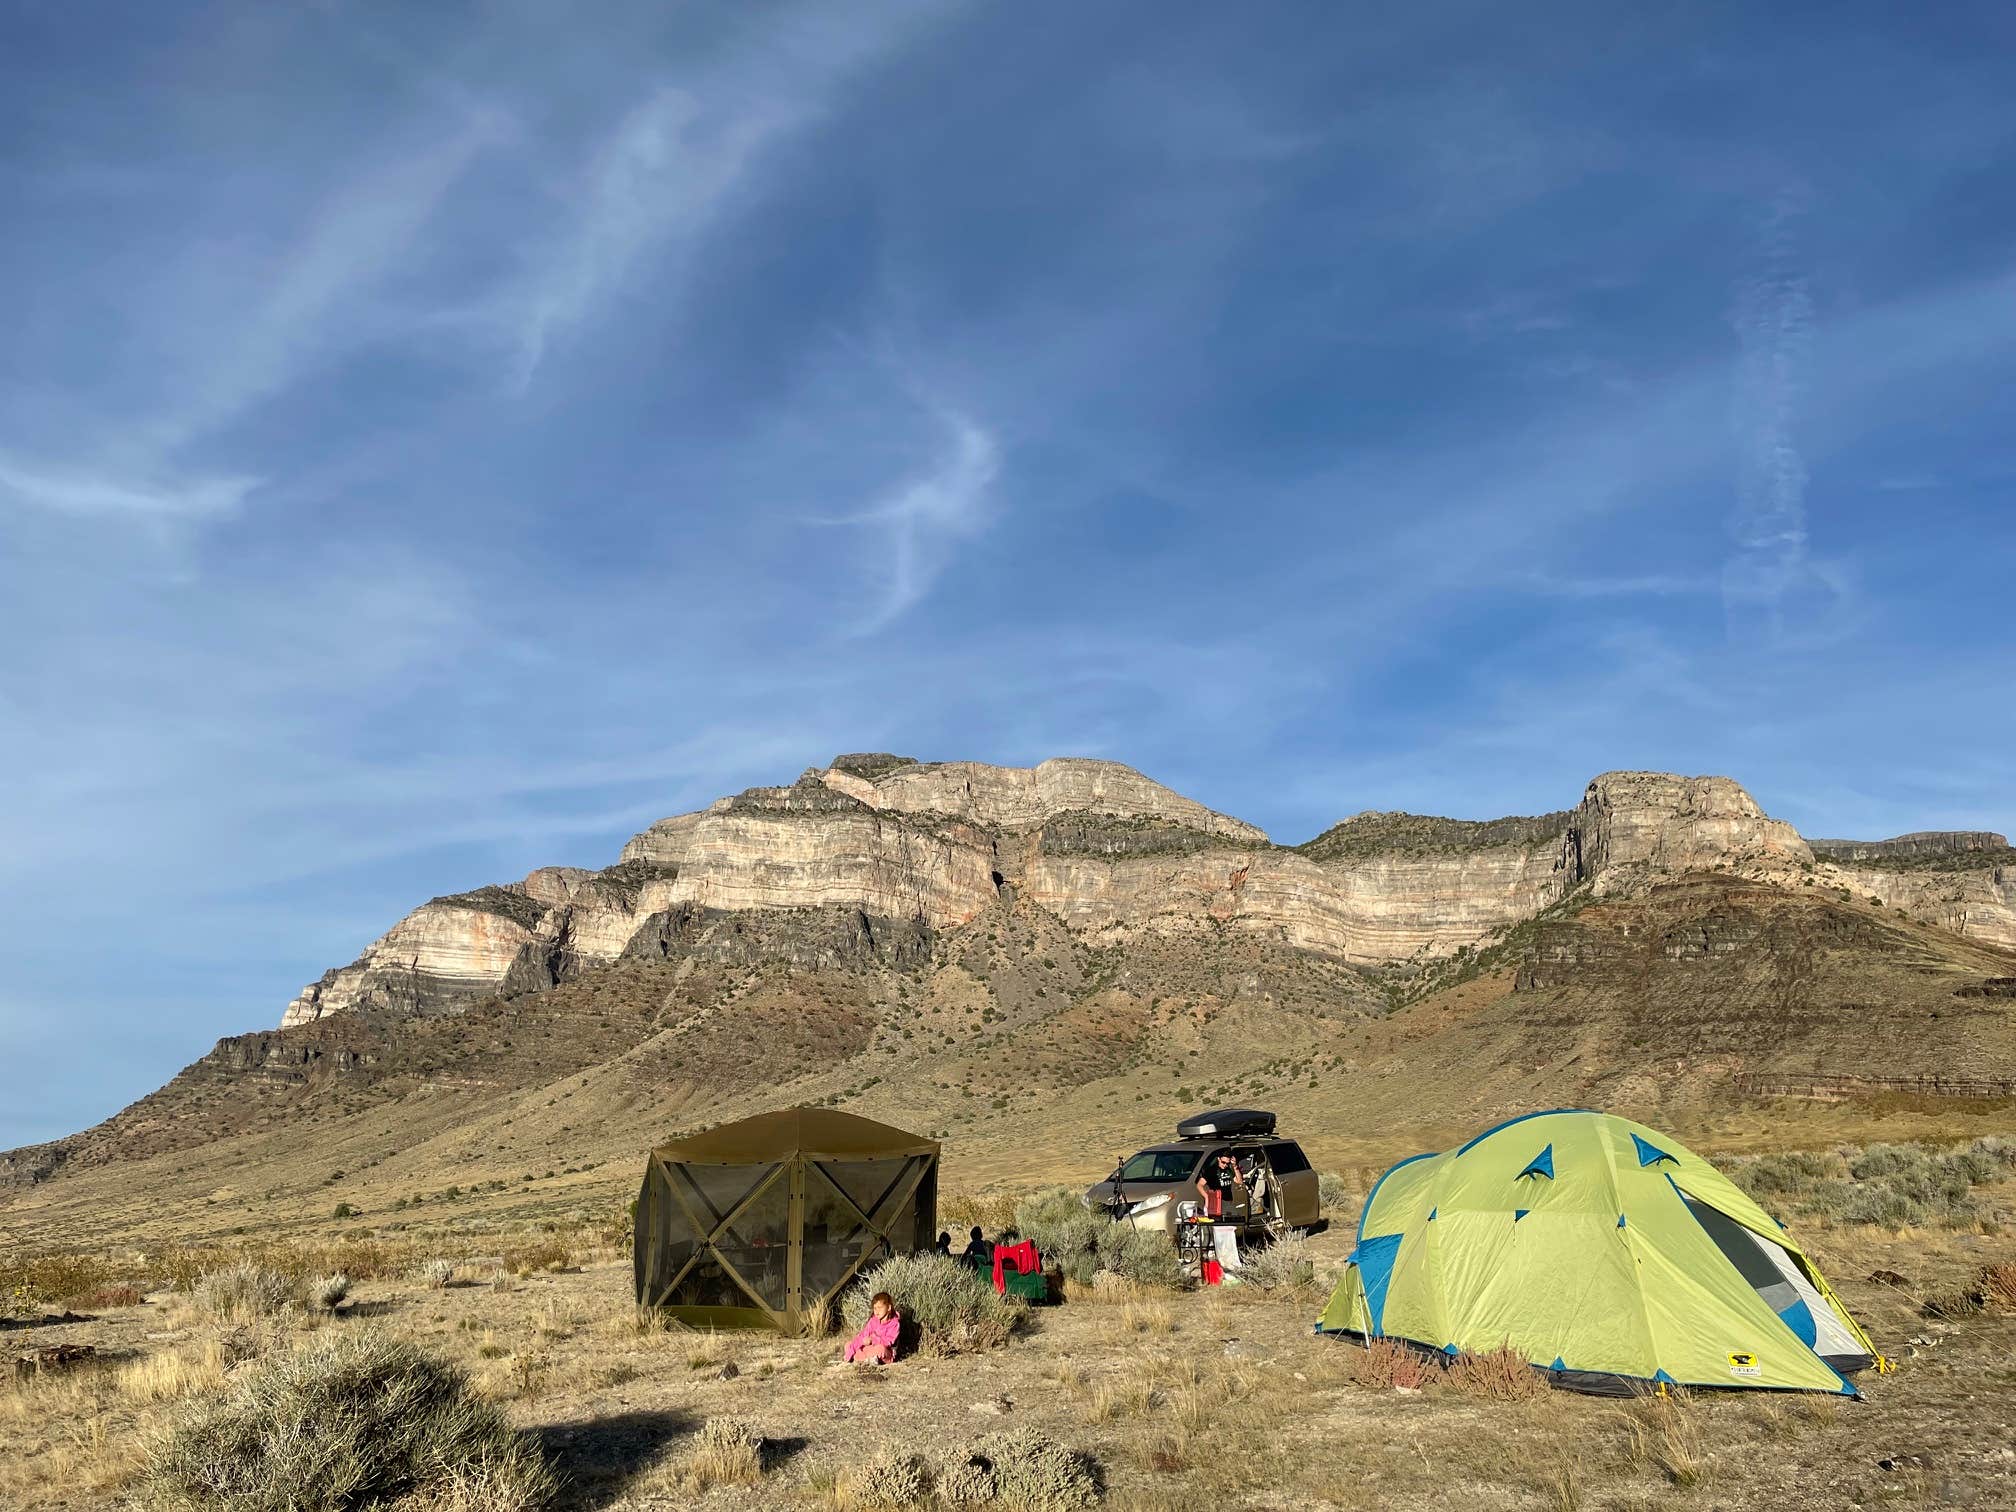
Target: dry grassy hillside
(1032,1053)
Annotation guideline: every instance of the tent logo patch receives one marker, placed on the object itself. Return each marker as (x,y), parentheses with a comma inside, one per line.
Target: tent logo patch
(1741,1364)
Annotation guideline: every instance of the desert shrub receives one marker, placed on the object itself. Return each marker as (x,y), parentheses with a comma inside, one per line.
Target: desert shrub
(1997,1283)
(1284,1264)
(1144,1256)
(328,1292)
(1886,1160)
(728,1451)
(246,1291)
(354,1423)
(1388,1362)
(117,1294)
(959,1211)
(1780,1175)
(436,1274)
(1064,1230)
(950,1306)
(1032,1472)
(1963,1302)
(1500,1374)
(1334,1192)
(1884,1208)
(540,1255)
(893,1478)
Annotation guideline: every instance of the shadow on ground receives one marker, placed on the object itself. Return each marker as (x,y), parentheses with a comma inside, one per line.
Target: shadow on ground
(599,1459)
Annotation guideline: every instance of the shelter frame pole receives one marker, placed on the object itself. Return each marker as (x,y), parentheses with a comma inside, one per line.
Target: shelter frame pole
(794,1260)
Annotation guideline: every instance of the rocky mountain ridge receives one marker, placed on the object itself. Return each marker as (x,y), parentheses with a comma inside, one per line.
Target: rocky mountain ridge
(1033,959)
(877,853)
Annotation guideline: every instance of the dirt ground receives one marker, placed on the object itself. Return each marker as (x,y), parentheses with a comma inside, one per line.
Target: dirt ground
(1208,1398)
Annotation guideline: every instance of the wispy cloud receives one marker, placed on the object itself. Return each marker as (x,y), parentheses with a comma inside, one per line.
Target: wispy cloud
(660,175)
(913,530)
(1771,579)
(318,304)
(162,500)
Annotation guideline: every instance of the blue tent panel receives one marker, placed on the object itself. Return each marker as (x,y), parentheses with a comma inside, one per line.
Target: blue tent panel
(1375,1271)
(1799,1318)
(1540,1165)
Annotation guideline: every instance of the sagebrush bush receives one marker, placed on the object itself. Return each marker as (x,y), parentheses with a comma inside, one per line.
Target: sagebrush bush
(1063,1229)
(436,1274)
(1334,1193)
(1146,1257)
(353,1423)
(1885,1185)
(950,1306)
(893,1478)
(1032,1472)
(1777,1175)
(246,1291)
(1283,1265)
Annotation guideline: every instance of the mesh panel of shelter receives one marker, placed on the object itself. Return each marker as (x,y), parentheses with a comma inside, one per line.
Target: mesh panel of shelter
(835,1237)
(758,1243)
(869,1182)
(713,1191)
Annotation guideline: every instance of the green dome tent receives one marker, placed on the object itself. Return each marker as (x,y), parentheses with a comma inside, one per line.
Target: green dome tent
(1601,1250)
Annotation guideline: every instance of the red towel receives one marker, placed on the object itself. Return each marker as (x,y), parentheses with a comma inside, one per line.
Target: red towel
(1214,1273)
(1022,1256)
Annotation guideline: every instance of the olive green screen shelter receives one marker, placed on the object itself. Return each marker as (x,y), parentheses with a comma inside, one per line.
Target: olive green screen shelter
(1604,1252)
(763,1223)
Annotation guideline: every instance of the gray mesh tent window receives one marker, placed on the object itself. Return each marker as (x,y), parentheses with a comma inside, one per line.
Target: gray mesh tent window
(763,1223)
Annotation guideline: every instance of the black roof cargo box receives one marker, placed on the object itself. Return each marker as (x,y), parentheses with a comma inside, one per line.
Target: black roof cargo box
(1221,1123)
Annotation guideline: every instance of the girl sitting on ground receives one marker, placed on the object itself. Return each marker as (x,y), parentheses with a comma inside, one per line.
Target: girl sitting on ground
(876,1343)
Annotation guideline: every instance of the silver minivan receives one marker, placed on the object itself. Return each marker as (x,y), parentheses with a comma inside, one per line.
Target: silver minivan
(1150,1188)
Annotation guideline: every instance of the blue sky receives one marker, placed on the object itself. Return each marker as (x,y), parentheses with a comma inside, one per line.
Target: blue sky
(437,440)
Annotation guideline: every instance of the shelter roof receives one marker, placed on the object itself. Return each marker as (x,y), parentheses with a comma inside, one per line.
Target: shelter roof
(822,1132)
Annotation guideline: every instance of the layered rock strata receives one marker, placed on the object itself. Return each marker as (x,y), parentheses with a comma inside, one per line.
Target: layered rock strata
(870,858)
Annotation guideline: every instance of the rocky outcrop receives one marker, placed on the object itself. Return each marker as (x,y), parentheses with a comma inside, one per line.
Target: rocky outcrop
(1634,824)
(866,861)
(1966,845)
(1978,902)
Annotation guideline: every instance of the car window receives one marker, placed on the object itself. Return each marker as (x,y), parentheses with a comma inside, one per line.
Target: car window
(1286,1158)
(1160,1165)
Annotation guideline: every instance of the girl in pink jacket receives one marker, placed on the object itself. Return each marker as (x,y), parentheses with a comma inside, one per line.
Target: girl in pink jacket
(876,1343)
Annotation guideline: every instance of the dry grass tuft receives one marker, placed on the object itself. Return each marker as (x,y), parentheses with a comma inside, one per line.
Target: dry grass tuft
(1664,1434)
(728,1451)
(247,1292)
(170,1377)
(1152,1318)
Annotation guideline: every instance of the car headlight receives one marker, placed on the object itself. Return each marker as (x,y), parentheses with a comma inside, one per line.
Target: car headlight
(1149,1204)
